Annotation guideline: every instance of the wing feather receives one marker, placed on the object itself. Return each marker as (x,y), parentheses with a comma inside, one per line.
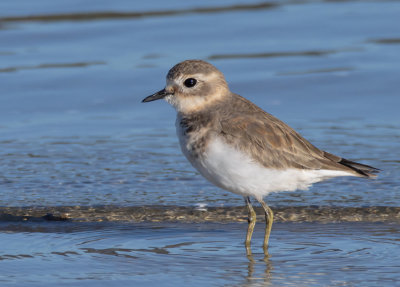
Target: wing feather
(271,142)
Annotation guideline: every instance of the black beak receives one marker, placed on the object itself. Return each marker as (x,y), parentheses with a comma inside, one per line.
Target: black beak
(159,95)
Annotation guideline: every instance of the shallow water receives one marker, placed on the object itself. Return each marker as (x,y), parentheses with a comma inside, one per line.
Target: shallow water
(197,254)
(76,142)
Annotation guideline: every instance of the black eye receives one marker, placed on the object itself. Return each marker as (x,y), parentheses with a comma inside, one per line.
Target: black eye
(190,82)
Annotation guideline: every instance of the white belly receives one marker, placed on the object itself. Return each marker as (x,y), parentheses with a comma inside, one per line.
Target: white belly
(237,172)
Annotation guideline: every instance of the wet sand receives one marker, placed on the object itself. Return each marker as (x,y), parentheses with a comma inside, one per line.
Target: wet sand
(182,214)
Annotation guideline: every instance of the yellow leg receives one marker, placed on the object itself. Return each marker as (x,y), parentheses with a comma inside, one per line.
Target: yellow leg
(269,219)
(252,222)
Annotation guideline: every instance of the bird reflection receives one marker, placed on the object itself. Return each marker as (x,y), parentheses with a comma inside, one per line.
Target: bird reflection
(251,278)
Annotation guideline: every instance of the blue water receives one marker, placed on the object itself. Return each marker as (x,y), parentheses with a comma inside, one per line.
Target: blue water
(74,133)
(199,254)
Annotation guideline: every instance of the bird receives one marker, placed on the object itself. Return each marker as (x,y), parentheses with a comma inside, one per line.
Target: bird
(239,147)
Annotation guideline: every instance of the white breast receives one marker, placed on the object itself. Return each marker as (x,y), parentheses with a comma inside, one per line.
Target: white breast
(237,172)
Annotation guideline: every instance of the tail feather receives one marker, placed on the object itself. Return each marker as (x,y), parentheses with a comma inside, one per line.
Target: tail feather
(359,168)
(362,169)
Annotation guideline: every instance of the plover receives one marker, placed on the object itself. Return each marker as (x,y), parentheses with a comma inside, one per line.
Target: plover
(241,148)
